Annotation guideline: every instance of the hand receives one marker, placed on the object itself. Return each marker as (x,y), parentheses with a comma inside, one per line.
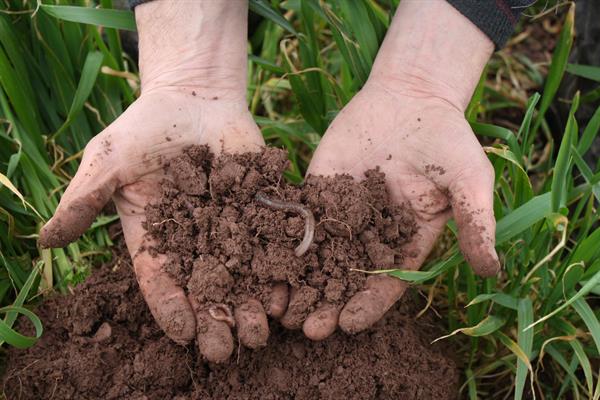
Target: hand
(193,92)
(409,121)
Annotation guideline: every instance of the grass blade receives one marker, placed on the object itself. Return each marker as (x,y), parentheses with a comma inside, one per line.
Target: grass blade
(261,7)
(559,186)
(503,299)
(422,276)
(524,129)
(585,71)
(472,385)
(117,19)
(14,338)
(92,65)
(4,181)
(356,15)
(525,340)
(523,217)
(589,133)
(10,317)
(589,285)
(475,102)
(487,326)
(586,172)
(589,318)
(560,58)
(499,132)
(558,357)
(522,359)
(585,364)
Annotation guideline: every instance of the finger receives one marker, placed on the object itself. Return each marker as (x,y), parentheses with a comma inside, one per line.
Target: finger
(368,306)
(321,323)
(252,325)
(214,338)
(167,302)
(86,195)
(471,197)
(279,300)
(301,300)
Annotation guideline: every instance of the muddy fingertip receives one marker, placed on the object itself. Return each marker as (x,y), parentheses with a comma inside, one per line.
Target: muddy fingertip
(367,307)
(214,338)
(362,311)
(252,325)
(65,227)
(322,323)
(301,301)
(485,262)
(176,318)
(279,301)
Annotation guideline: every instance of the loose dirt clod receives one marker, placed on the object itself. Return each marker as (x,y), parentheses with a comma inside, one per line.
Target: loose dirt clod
(393,360)
(230,227)
(224,315)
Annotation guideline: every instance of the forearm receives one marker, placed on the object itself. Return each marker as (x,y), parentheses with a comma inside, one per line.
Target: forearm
(196,44)
(431,49)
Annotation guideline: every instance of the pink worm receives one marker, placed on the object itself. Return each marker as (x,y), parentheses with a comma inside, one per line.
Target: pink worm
(309,219)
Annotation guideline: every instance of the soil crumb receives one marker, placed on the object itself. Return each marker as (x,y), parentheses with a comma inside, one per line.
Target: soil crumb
(102,343)
(227,246)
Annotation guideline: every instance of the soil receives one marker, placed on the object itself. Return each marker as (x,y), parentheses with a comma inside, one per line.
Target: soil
(232,230)
(102,343)
(227,246)
(539,37)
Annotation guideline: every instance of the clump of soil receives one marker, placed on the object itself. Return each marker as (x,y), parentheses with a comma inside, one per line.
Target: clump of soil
(232,228)
(102,343)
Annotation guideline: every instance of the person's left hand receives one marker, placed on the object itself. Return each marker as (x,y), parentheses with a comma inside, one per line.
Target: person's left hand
(408,120)
(433,164)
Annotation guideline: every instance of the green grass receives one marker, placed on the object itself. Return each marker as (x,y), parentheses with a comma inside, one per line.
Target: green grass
(535,329)
(53,100)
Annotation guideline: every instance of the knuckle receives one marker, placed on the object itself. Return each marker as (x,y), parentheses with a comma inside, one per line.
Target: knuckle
(92,146)
(476,174)
(100,146)
(100,159)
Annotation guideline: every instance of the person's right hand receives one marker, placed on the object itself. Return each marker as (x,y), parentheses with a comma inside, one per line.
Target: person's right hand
(192,93)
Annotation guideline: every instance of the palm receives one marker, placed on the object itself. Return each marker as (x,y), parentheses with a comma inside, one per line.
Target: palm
(145,143)
(433,163)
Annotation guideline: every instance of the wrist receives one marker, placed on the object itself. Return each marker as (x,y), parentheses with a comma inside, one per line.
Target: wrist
(198,45)
(431,50)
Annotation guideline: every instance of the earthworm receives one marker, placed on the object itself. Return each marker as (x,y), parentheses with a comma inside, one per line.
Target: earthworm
(309,219)
(227,318)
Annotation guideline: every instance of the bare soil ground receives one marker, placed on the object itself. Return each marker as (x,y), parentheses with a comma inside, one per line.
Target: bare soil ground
(232,229)
(102,343)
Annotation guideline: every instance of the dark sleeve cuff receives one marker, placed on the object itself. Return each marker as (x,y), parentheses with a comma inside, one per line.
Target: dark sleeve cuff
(134,3)
(496,18)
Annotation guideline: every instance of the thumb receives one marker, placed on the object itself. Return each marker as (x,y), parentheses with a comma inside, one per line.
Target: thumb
(471,198)
(86,195)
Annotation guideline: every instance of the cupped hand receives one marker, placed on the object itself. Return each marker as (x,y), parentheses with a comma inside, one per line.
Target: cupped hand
(433,164)
(193,76)
(125,162)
